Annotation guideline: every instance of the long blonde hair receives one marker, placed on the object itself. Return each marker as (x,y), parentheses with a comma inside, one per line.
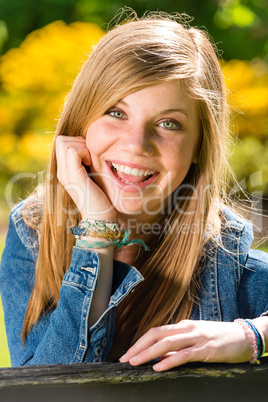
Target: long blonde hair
(134,55)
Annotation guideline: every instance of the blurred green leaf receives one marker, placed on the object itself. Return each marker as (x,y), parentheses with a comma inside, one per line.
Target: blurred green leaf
(234,13)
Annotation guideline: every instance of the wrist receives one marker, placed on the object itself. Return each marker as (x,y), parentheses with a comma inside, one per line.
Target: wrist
(103,230)
(112,218)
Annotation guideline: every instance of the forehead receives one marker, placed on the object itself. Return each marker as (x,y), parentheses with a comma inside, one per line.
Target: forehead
(168,96)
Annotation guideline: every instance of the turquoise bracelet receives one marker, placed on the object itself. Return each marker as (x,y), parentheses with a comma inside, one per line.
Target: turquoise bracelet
(94,244)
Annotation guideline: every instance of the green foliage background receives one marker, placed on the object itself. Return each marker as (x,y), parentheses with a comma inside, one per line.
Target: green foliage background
(42,46)
(241,25)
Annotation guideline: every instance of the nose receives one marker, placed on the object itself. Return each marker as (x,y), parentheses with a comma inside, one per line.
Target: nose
(138,141)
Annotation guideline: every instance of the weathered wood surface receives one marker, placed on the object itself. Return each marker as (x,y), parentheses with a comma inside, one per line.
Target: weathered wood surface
(103,382)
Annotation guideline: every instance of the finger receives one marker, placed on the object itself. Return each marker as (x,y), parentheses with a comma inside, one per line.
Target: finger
(151,337)
(70,166)
(62,144)
(83,154)
(70,139)
(76,171)
(177,359)
(77,181)
(165,346)
(165,356)
(148,339)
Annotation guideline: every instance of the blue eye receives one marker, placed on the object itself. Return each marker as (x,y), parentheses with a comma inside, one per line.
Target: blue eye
(170,125)
(116,113)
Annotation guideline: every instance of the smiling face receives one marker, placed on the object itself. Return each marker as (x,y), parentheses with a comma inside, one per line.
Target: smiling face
(143,147)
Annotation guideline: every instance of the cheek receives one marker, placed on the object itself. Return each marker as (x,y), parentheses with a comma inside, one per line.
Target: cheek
(179,154)
(178,160)
(97,140)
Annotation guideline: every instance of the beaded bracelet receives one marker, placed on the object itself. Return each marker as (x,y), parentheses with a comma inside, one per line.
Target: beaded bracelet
(100,229)
(262,339)
(117,243)
(252,335)
(259,341)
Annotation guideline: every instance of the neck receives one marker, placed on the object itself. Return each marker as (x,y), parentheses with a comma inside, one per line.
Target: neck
(141,227)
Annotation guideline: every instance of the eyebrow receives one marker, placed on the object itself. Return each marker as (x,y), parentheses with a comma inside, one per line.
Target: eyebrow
(183,111)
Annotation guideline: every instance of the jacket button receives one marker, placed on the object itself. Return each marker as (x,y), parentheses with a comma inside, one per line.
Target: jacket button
(104,342)
(98,351)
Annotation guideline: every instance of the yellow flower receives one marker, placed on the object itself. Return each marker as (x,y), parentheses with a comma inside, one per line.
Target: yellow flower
(49,57)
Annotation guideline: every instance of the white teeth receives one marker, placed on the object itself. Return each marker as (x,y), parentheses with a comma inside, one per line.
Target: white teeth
(134,171)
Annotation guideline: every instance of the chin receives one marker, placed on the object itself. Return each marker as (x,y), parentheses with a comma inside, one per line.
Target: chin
(131,209)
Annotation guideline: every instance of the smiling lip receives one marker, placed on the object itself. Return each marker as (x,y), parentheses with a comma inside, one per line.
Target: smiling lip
(130,164)
(129,186)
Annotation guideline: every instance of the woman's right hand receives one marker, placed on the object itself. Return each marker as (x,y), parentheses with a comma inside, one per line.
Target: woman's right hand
(91,201)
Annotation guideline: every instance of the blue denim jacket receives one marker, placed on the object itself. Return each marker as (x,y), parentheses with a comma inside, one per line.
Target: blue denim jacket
(234,284)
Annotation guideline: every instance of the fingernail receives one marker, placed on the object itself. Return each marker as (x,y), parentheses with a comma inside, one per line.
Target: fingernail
(123,358)
(158,367)
(134,359)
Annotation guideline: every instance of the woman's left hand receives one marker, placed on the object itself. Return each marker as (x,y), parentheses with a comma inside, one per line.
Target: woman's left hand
(190,341)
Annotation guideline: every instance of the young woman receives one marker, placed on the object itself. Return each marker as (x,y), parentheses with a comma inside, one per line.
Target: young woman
(134,200)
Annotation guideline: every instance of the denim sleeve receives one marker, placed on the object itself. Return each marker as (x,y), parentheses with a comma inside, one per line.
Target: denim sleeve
(60,336)
(253,289)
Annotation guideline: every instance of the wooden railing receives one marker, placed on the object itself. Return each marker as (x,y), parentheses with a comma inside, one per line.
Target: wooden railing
(108,382)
